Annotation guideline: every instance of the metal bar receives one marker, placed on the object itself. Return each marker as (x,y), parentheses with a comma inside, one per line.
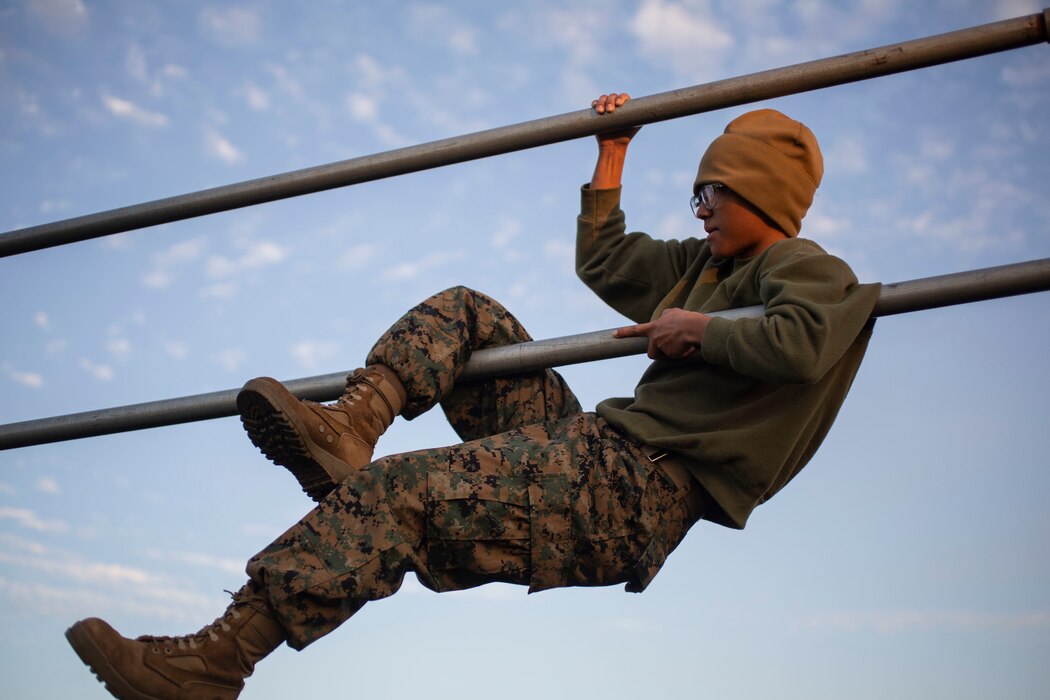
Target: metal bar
(897,298)
(862,65)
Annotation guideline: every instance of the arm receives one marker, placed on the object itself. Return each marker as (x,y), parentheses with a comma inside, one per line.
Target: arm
(814,311)
(612,146)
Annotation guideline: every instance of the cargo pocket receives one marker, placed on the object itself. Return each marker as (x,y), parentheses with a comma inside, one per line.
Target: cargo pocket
(551,530)
(478,529)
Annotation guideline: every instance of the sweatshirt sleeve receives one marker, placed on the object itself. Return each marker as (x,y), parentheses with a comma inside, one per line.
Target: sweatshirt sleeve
(631,272)
(815,309)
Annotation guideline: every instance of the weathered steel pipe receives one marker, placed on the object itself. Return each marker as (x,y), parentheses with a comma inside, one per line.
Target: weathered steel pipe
(901,297)
(803,77)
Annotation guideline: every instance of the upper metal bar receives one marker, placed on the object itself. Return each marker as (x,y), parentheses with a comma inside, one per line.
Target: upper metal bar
(901,297)
(862,65)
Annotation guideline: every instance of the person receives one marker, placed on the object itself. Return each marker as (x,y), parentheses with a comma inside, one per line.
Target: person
(540,492)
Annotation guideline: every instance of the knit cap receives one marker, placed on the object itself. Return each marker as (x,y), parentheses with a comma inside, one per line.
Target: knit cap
(770,160)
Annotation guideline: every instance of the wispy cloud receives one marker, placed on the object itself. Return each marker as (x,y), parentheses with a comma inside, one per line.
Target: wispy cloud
(692,43)
(218,146)
(202,559)
(47,484)
(28,519)
(166,261)
(33,380)
(256,254)
(102,373)
(99,586)
(312,353)
(125,109)
(231,359)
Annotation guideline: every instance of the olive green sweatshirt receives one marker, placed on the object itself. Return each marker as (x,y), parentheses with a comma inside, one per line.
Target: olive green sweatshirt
(748,410)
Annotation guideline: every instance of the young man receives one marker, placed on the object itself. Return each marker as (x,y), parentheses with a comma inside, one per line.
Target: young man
(541,493)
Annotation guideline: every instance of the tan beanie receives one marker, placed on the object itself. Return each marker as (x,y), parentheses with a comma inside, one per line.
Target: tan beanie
(770,160)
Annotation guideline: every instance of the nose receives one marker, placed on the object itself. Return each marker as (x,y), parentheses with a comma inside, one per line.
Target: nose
(702,212)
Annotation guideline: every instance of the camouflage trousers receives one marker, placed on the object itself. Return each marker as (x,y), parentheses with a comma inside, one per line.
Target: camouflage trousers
(539,493)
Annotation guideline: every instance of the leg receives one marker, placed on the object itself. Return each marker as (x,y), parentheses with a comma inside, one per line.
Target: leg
(412,367)
(557,504)
(570,503)
(428,347)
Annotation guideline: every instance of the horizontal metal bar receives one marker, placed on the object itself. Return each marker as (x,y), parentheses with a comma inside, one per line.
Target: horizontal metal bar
(803,77)
(900,297)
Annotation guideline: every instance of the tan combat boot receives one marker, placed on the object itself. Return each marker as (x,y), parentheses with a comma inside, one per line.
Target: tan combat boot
(209,665)
(321,444)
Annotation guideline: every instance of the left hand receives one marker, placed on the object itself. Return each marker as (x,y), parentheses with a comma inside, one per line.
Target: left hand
(675,335)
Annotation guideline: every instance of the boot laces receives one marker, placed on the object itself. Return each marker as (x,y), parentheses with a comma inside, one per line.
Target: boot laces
(208,632)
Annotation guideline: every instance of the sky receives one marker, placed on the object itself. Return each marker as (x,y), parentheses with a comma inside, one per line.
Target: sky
(907,560)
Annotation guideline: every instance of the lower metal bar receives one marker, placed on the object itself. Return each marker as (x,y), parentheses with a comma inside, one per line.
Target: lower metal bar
(901,297)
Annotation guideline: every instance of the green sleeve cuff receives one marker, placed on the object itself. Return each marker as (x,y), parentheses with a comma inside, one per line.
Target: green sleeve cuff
(593,202)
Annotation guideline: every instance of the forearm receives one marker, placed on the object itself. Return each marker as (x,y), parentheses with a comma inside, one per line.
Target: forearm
(608,170)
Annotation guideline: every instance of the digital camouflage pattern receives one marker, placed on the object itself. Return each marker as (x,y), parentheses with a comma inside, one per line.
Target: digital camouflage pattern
(540,493)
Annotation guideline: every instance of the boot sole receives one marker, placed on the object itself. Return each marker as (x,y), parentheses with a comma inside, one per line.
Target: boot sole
(93,657)
(268,416)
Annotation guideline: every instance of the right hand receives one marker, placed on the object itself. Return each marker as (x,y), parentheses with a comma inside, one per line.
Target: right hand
(607,104)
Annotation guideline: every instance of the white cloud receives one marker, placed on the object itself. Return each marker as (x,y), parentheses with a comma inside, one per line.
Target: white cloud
(232,566)
(126,109)
(220,147)
(258,99)
(231,358)
(508,230)
(29,520)
(47,484)
(312,353)
(258,254)
(691,42)
(29,379)
(182,252)
(176,350)
(158,279)
(119,347)
(362,107)
(230,26)
(102,373)
(54,206)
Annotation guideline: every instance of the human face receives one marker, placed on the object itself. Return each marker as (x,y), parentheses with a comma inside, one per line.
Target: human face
(735,229)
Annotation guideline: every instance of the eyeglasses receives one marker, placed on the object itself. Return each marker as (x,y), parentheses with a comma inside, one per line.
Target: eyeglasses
(706,196)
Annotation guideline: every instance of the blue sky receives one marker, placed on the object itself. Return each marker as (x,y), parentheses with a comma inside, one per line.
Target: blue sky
(909,558)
